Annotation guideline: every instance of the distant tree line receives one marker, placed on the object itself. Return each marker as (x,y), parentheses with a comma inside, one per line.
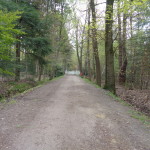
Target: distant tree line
(114,47)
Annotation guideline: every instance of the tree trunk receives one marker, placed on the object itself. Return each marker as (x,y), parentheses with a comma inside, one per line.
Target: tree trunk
(94,68)
(122,73)
(88,47)
(119,36)
(95,44)
(132,70)
(17,71)
(26,65)
(77,49)
(18,45)
(109,53)
(40,71)
(141,75)
(81,47)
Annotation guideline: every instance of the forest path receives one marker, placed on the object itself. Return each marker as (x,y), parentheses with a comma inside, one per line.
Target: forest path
(69,114)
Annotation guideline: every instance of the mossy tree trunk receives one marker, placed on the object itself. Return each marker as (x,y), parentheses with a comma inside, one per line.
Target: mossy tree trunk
(109,53)
(95,43)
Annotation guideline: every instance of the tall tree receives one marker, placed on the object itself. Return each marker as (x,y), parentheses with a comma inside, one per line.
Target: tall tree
(88,46)
(109,53)
(18,46)
(95,43)
(119,34)
(123,53)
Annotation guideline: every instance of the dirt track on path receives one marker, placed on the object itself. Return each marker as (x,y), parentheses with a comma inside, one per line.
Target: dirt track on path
(69,114)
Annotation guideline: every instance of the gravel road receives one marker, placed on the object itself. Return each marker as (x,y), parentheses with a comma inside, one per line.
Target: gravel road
(69,114)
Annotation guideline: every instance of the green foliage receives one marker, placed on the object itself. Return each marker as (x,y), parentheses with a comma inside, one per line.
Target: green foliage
(39,45)
(45,35)
(2,71)
(128,6)
(8,32)
(19,87)
(12,88)
(8,21)
(59,71)
(8,5)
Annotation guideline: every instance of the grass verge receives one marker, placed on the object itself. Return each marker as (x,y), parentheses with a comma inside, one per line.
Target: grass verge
(118,99)
(140,116)
(90,82)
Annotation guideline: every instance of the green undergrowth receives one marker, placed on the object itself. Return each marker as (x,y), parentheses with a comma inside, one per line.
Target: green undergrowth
(140,116)
(15,88)
(20,87)
(42,82)
(47,80)
(91,82)
(56,78)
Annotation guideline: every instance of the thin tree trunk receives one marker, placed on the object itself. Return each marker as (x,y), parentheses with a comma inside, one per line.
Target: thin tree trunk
(141,75)
(17,71)
(88,47)
(26,64)
(122,73)
(109,53)
(47,6)
(40,71)
(95,44)
(94,67)
(119,36)
(37,68)
(18,45)
(81,47)
(133,71)
(77,49)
